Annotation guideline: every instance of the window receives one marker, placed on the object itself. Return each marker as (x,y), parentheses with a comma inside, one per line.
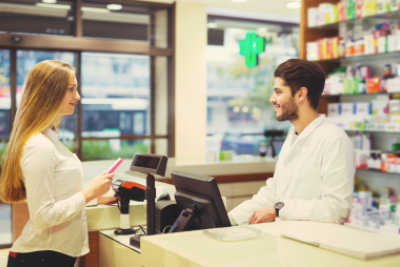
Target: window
(5,111)
(238,96)
(115,103)
(26,60)
(123,69)
(24,16)
(5,97)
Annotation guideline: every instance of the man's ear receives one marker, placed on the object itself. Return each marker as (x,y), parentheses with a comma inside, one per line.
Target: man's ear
(302,94)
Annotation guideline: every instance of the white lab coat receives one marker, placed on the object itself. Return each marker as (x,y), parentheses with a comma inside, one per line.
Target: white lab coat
(314,177)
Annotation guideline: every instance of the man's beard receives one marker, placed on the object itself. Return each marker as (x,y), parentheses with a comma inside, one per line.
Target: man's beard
(289,112)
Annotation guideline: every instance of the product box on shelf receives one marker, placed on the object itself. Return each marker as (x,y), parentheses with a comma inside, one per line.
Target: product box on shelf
(312,51)
(394,107)
(393,85)
(347,109)
(363,108)
(334,109)
(373,85)
(341,8)
(312,17)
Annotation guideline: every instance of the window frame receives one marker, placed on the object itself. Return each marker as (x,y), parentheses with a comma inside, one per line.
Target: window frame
(78,44)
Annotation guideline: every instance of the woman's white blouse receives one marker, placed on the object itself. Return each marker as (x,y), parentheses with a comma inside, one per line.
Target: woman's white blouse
(53,180)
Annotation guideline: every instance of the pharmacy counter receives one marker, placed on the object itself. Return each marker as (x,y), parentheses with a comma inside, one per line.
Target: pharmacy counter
(246,165)
(238,179)
(268,248)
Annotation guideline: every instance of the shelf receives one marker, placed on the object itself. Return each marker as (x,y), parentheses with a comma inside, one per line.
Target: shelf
(384,16)
(393,55)
(376,170)
(361,94)
(372,131)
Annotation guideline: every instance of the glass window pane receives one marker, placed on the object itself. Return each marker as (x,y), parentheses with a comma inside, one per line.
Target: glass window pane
(26,60)
(115,95)
(5,106)
(36,17)
(238,96)
(5,224)
(5,95)
(161,95)
(125,21)
(113,148)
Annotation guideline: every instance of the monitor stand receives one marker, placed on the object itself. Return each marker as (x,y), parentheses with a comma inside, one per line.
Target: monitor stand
(150,211)
(182,221)
(134,241)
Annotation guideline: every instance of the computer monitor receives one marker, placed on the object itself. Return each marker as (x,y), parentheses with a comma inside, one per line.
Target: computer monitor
(199,202)
(277,146)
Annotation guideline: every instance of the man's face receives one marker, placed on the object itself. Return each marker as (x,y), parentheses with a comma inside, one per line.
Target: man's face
(284,104)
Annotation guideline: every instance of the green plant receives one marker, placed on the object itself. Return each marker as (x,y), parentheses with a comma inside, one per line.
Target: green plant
(99,150)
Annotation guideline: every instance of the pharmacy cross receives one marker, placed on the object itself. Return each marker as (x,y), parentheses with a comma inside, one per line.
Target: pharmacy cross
(250,47)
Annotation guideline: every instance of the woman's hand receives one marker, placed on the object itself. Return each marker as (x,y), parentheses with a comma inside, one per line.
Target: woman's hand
(107,198)
(98,186)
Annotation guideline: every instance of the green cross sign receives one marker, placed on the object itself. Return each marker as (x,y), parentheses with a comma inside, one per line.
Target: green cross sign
(250,47)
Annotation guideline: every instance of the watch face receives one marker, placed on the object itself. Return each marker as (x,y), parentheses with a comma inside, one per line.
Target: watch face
(279,205)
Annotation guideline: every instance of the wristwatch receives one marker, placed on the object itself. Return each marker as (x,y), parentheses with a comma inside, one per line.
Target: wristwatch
(278,206)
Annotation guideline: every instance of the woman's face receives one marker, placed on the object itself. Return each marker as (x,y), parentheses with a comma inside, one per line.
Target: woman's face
(70,98)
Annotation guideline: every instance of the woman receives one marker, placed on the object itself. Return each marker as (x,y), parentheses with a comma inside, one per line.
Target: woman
(39,168)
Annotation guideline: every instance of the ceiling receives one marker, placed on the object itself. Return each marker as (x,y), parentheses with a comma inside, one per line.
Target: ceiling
(251,9)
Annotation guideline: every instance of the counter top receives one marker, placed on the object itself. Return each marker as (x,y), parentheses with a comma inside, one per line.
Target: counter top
(269,248)
(195,248)
(242,164)
(107,217)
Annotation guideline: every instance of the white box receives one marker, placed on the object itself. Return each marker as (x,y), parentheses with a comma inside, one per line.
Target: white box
(347,109)
(333,109)
(393,85)
(363,108)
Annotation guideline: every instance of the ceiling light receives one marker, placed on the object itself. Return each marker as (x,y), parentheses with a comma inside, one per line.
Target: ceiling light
(94,9)
(49,1)
(53,6)
(114,6)
(293,5)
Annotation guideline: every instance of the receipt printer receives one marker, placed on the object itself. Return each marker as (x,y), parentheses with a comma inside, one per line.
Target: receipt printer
(166,214)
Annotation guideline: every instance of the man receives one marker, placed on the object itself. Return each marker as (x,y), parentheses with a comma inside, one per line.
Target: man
(313,178)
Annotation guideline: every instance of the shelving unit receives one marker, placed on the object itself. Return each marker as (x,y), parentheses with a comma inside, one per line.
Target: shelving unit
(311,34)
(376,179)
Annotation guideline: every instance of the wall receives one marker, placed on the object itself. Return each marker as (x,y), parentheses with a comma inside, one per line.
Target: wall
(190,80)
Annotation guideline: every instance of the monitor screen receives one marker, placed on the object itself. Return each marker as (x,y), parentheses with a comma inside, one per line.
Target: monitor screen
(277,146)
(199,202)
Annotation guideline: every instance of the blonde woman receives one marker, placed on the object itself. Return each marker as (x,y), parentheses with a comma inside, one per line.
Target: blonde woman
(38,168)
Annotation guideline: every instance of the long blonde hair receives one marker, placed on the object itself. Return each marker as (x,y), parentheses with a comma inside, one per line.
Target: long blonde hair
(43,91)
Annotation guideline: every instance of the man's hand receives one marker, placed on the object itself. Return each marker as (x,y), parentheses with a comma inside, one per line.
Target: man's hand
(262,215)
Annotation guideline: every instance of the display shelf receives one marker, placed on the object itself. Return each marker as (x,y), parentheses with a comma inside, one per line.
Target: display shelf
(361,94)
(391,55)
(377,171)
(381,134)
(371,131)
(356,21)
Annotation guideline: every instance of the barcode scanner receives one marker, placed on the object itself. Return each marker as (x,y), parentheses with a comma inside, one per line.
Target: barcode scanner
(126,191)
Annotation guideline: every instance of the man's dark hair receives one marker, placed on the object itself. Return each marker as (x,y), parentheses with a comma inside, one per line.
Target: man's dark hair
(298,73)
